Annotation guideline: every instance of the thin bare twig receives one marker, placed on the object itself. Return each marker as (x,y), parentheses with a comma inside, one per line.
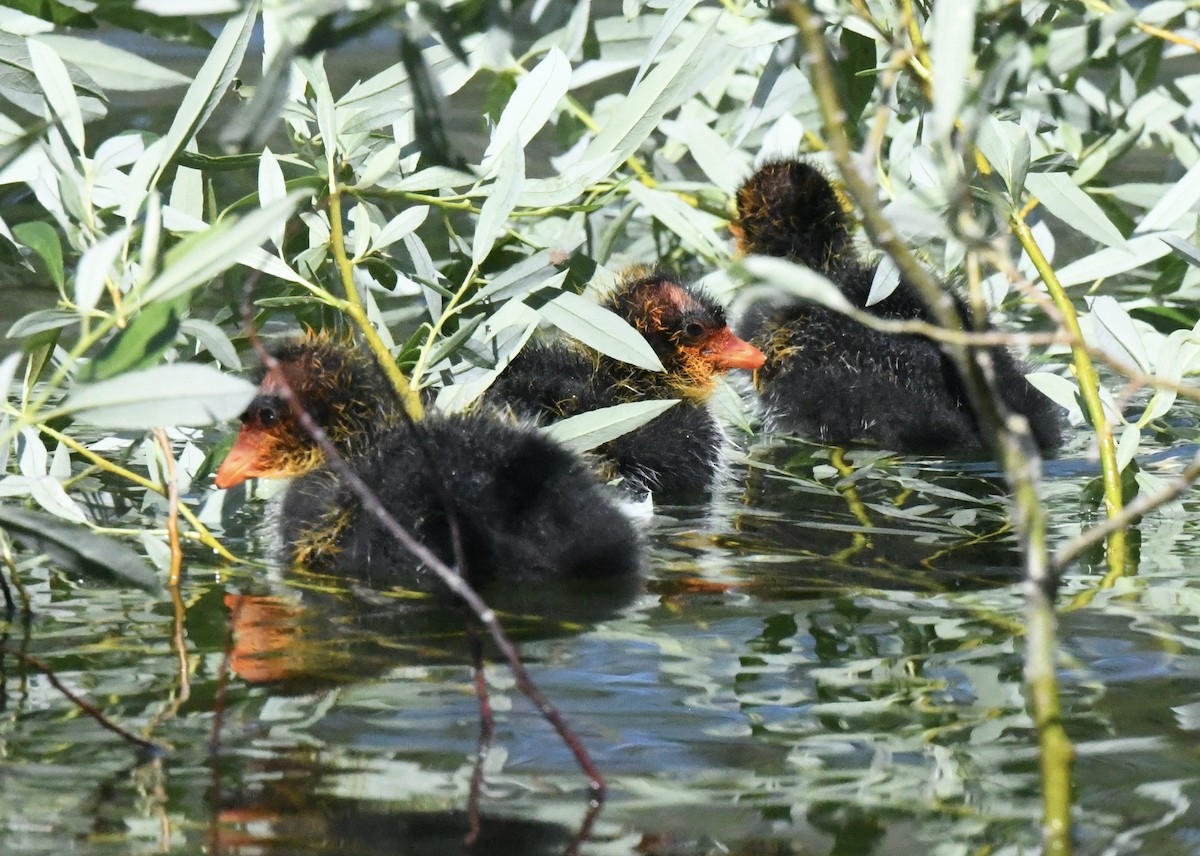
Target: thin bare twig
(148,746)
(451,579)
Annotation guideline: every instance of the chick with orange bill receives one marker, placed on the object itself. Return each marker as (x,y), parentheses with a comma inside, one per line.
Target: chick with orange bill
(525,509)
(678,452)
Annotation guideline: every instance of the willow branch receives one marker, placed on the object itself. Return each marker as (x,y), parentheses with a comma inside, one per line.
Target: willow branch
(1089,389)
(1010,437)
(358,313)
(200,531)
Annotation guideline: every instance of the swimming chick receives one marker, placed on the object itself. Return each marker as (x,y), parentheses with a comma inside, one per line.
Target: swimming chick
(832,379)
(526,508)
(677,452)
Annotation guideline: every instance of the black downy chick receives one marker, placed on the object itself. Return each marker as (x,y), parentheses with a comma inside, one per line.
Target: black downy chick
(526,508)
(676,453)
(832,379)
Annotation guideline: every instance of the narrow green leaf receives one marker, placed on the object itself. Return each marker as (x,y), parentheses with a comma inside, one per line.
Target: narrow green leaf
(208,87)
(531,105)
(43,239)
(671,19)
(1063,392)
(271,188)
(138,346)
(696,228)
(41,321)
(57,87)
(77,548)
(1113,331)
(8,369)
(1006,147)
(204,255)
(952,45)
(776,274)
(1188,251)
(1175,204)
(95,266)
(113,68)
(505,190)
(887,277)
(646,103)
(601,329)
(1073,207)
(1110,261)
(213,338)
(181,394)
(400,225)
(597,427)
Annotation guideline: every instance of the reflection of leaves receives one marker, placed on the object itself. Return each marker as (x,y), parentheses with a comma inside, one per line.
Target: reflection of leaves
(78,549)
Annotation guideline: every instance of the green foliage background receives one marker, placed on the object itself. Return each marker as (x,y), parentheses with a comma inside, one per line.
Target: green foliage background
(605,136)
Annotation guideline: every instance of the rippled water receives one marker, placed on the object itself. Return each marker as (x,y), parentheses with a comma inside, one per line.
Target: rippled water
(814,663)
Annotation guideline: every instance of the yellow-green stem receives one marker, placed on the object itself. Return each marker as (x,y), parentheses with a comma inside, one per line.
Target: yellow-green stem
(358,313)
(1089,388)
(199,529)
(448,312)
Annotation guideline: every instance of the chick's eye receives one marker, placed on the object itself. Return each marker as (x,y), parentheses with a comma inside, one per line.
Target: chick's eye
(694,330)
(267,416)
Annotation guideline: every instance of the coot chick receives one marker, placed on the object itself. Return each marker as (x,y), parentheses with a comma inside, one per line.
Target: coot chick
(832,379)
(526,508)
(676,453)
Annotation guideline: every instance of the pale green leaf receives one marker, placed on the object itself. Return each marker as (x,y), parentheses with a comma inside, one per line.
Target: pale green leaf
(179,394)
(401,225)
(596,427)
(271,188)
(697,229)
(1111,261)
(601,329)
(780,274)
(56,85)
(671,19)
(505,190)
(885,281)
(208,87)
(1060,390)
(96,266)
(214,340)
(530,106)
(1062,198)
(1175,204)
(113,68)
(204,255)
(952,45)
(640,112)
(1113,331)
(1006,147)
(8,369)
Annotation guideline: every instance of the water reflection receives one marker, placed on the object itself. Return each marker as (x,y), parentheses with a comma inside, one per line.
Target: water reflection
(282,805)
(322,632)
(796,527)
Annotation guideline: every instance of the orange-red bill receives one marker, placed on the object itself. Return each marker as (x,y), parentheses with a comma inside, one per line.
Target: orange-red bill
(246,460)
(727,351)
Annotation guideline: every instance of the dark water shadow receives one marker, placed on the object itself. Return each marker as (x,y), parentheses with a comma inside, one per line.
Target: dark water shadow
(311,633)
(283,805)
(796,528)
